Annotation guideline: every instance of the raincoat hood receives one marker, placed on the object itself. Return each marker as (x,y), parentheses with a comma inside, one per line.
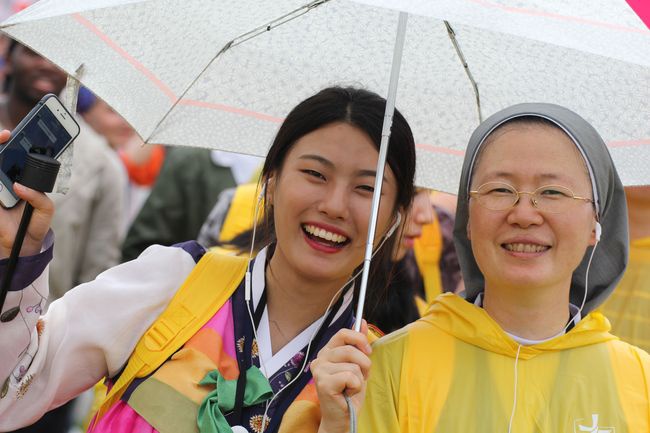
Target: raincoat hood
(473,325)
(611,255)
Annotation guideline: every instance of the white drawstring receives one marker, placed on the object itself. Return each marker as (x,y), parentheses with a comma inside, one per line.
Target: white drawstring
(578,313)
(514,403)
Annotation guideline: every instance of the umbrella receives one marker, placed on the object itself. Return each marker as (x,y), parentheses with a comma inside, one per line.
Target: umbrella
(642,9)
(223,74)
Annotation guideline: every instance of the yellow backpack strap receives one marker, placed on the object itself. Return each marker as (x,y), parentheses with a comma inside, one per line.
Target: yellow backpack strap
(428,250)
(207,288)
(240,213)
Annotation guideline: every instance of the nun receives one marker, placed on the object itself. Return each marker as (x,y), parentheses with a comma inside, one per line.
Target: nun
(541,234)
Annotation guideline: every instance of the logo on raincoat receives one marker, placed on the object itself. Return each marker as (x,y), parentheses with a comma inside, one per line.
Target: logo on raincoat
(579,427)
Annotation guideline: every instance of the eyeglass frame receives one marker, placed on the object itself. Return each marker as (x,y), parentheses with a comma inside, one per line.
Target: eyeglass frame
(477,195)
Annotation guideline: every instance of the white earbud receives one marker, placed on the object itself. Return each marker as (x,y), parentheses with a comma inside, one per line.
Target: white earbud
(247,276)
(262,192)
(394,227)
(599,231)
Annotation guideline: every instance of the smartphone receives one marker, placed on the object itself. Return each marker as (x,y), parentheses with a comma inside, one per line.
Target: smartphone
(48,129)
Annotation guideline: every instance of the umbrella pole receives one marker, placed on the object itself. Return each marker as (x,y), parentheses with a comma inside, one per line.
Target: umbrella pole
(381,163)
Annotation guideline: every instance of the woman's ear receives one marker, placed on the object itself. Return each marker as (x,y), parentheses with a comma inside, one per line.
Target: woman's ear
(595,234)
(269,187)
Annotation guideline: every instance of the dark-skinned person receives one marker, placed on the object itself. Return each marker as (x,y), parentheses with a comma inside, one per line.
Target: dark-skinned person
(87,221)
(541,234)
(190,341)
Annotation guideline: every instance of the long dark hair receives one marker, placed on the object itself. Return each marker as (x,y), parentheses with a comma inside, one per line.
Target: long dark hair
(357,107)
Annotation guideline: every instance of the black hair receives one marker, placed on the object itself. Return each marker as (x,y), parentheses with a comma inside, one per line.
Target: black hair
(393,306)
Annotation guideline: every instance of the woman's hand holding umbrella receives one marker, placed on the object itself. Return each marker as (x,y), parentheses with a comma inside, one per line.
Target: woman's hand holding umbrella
(341,368)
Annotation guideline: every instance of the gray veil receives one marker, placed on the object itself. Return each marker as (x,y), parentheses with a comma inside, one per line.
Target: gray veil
(611,255)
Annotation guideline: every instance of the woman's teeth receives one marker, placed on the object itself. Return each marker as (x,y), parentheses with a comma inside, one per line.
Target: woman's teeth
(324,234)
(525,248)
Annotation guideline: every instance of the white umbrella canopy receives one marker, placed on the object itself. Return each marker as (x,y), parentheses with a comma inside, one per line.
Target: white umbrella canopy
(223,74)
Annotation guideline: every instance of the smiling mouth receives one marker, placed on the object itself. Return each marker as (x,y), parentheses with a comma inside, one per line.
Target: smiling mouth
(325,237)
(525,248)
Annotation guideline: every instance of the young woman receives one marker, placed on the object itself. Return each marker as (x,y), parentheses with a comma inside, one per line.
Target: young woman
(245,363)
(541,234)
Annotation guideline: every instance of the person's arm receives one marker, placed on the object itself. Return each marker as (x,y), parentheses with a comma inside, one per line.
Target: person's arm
(86,335)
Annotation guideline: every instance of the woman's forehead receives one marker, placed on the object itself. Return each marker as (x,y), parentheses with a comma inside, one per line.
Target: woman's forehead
(538,152)
(337,145)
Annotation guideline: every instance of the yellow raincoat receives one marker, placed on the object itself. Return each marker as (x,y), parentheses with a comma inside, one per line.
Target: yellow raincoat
(628,307)
(454,371)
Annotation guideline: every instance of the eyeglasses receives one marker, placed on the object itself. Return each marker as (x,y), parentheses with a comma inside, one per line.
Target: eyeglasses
(548,198)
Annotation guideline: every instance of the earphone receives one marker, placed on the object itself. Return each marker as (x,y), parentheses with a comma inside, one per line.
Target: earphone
(599,231)
(247,276)
(262,192)
(248,295)
(391,230)
(353,423)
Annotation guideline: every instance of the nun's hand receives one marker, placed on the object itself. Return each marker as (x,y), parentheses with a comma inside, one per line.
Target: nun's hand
(342,367)
(10,218)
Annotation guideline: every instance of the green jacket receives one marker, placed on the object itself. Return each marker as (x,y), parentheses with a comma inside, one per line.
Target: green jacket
(187,188)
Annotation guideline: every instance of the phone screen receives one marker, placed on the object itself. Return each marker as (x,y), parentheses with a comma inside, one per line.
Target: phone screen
(44,134)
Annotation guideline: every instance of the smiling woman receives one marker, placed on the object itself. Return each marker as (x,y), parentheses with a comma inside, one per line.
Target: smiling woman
(321,202)
(527,250)
(214,345)
(541,234)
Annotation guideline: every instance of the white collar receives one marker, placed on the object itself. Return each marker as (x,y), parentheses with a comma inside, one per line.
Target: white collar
(573,310)
(272,363)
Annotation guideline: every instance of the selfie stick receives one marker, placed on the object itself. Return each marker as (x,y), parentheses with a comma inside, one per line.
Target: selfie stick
(39,174)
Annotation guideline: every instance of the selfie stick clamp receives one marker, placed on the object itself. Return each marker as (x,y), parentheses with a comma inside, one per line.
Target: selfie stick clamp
(39,174)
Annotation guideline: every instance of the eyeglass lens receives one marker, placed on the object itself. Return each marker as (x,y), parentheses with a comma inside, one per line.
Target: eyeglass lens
(501,196)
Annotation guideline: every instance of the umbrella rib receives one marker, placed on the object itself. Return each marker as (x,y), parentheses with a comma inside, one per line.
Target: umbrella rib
(461,56)
(239,40)
(273,24)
